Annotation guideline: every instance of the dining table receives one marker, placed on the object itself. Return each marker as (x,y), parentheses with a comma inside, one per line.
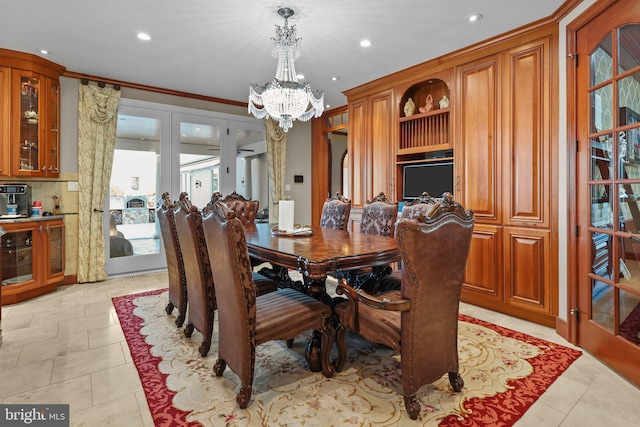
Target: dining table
(318,252)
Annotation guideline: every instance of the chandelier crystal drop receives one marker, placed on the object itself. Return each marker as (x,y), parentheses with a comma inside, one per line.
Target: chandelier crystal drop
(284,99)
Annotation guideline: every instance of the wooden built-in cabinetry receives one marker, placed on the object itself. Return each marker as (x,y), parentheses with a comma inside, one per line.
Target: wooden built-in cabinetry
(30,115)
(498,129)
(32,261)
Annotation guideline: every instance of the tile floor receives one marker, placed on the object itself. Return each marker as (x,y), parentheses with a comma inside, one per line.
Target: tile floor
(68,347)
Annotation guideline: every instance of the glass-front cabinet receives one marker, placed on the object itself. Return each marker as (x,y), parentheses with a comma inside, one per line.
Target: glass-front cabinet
(36,118)
(30,115)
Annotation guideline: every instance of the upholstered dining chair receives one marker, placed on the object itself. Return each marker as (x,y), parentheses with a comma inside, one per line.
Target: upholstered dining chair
(246,320)
(175,266)
(202,296)
(378,217)
(335,212)
(423,204)
(421,319)
(246,210)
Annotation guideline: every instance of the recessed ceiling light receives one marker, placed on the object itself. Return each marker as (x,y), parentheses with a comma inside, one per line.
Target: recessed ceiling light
(334,78)
(144,36)
(300,76)
(365,43)
(473,18)
(44,52)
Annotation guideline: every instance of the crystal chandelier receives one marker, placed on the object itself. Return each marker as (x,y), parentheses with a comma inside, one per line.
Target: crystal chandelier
(284,99)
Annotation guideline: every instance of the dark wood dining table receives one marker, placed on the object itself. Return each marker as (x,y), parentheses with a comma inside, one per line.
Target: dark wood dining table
(326,251)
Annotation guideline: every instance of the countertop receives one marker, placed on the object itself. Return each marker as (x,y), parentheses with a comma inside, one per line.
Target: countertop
(29,219)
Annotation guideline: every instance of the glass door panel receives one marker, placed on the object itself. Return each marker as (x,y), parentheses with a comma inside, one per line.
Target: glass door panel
(132,235)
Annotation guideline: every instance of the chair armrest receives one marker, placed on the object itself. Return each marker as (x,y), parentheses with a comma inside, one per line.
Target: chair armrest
(359,296)
(383,303)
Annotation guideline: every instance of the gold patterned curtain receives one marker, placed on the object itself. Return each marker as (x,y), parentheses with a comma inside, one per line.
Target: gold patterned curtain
(97,120)
(277,159)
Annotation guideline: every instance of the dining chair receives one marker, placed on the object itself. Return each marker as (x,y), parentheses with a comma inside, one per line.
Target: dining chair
(420,321)
(335,212)
(202,296)
(246,320)
(246,210)
(423,204)
(175,266)
(378,217)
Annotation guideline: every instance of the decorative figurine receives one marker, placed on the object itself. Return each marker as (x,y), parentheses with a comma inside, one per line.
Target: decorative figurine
(428,106)
(444,102)
(409,108)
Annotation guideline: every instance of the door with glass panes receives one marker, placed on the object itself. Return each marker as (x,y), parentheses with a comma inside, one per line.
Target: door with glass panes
(608,187)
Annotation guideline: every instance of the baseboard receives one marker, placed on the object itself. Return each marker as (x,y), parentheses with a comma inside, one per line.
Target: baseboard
(71,279)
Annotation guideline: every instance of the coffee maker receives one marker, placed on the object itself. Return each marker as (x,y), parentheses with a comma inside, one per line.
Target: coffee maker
(15,201)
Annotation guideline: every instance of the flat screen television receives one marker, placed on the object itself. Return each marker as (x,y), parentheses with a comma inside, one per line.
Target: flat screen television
(434,178)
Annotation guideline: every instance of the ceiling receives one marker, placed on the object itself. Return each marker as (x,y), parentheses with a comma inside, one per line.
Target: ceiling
(218,47)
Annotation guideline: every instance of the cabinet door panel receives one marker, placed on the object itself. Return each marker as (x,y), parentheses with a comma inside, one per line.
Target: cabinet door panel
(381,136)
(357,151)
(5,115)
(527,269)
(527,135)
(482,274)
(478,148)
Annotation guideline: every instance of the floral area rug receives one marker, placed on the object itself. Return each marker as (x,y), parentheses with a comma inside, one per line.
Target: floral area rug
(504,372)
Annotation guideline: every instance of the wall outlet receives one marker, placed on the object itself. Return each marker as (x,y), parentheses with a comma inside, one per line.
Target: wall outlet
(72,186)
(287,187)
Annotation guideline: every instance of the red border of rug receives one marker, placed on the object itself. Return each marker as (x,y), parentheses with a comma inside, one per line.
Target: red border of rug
(154,383)
(501,410)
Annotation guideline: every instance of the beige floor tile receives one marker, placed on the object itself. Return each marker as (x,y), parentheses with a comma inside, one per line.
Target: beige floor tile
(115,382)
(145,413)
(27,377)
(67,313)
(14,322)
(540,415)
(76,392)
(86,362)
(48,349)
(87,323)
(28,335)
(9,356)
(585,415)
(114,413)
(99,307)
(103,336)
(127,353)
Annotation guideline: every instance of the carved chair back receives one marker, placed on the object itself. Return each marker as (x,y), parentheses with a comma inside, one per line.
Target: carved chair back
(335,212)
(379,216)
(175,265)
(202,297)
(423,204)
(245,209)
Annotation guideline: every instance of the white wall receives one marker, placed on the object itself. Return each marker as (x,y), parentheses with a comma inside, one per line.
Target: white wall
(299,163)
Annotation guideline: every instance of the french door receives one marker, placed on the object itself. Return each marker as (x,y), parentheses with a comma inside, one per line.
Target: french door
(608,187)
(141,162)
(165,148)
